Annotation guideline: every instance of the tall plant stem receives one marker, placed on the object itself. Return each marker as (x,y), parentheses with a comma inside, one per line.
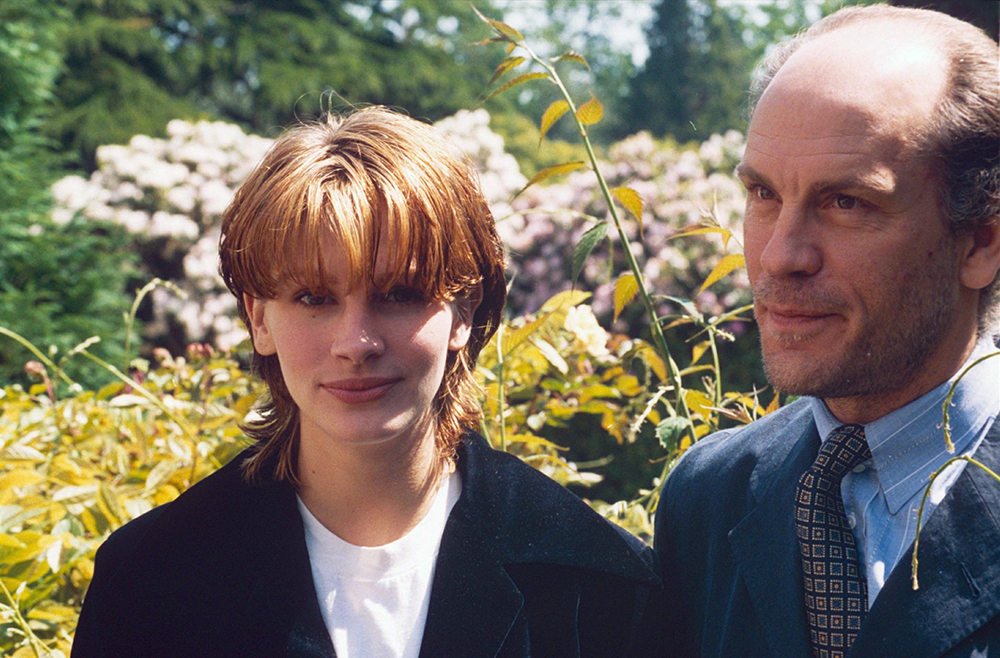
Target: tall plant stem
(659,340)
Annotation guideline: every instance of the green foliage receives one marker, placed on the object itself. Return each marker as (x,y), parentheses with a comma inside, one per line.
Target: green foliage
(72,469)
(60,284)
(131,66)
(57,282)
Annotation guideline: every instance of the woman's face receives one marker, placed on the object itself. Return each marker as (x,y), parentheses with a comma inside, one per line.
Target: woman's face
(363,367)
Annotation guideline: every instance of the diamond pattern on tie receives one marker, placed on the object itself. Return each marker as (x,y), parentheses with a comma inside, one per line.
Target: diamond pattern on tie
(836,593)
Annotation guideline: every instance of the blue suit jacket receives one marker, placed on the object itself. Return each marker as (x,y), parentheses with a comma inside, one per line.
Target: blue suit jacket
(525,568)
(726,540)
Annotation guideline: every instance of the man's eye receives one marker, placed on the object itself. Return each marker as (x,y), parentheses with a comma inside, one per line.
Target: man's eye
(763,193)
(313,299)
(845,202)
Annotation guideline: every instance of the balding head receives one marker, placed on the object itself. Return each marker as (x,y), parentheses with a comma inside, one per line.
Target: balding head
(885,49)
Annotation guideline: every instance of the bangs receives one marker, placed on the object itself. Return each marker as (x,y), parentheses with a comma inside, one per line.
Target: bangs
(393,227)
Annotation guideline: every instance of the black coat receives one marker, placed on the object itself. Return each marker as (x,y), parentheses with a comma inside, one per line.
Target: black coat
(525,569)
(726,538)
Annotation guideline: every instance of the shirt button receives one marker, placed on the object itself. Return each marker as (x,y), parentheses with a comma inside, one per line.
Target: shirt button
(860,468)
(852,521)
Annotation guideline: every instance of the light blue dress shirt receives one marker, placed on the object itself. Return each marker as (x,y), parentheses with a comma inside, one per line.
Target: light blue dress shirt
(882,495)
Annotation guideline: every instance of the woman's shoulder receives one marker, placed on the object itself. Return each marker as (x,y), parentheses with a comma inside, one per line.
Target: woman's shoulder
(535,520)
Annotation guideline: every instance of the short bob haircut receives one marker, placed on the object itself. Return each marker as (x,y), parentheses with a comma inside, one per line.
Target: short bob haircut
(371,177)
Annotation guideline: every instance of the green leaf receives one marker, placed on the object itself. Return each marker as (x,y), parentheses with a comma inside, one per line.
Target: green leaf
(585,246)
(632,202)
(552,114)
(590,112)
(626,288)
(524,77)
(670,430)
(555,170)
(505,66)
(725,266)
(572,56)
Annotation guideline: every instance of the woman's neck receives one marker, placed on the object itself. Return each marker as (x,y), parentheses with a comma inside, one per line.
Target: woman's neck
(369,495)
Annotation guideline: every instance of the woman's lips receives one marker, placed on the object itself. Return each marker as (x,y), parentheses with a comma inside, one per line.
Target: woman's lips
(361,389)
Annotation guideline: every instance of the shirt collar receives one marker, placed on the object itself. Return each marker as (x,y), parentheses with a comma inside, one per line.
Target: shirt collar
(908,444)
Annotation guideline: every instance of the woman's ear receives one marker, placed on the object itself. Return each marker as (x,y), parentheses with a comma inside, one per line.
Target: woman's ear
(464,309)
(263,342)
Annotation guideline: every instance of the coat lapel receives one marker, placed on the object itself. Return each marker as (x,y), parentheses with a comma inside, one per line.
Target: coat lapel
(474,603)
(282,616)
(765,548)
(959,572)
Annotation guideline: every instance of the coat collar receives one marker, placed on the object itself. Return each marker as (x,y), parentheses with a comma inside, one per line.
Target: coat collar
(959,556)
(508,514)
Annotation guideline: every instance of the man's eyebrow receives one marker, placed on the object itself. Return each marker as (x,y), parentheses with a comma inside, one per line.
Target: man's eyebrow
(745,172)
(873,182)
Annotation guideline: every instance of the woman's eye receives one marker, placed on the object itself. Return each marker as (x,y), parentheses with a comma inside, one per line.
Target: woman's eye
(845,202)
(313,299)
(403,296)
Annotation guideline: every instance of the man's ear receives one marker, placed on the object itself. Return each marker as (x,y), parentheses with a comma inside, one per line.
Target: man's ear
(263,342)
(981,256)
(464,309)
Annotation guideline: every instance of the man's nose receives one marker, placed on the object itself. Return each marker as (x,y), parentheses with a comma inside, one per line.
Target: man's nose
(357,337)
(791,248)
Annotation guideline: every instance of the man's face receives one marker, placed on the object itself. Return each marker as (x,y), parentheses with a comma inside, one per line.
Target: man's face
(855,274)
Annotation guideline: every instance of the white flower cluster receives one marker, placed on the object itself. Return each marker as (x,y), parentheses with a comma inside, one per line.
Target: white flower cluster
(170,193)
(499,173)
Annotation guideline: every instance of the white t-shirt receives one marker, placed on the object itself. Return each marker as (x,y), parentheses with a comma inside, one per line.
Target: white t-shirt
(374,599)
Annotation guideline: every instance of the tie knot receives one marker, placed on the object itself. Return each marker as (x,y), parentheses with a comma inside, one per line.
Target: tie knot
(845,448)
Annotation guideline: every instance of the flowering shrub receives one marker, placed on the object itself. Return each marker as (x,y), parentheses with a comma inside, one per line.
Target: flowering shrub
(680,187)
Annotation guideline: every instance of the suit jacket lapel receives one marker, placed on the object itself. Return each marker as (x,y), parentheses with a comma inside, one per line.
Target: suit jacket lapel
(765,547)
(959,572)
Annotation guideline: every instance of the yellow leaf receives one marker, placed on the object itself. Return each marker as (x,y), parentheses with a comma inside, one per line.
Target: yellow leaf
(37,389)
(725,266)
(555,170)
(552,114)
(524,77)
(724,232)
(590,112)
(573,56)
(20,477)
(625,289)
(502,28)
(698,350)
(774,404)
(6,541)
(505,66)
(631,200)
(698,403)
(654,361)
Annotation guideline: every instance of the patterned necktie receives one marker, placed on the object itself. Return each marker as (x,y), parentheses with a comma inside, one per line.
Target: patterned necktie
(836,592)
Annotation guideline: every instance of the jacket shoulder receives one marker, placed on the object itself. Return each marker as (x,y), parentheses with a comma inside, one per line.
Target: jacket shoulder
(541,521)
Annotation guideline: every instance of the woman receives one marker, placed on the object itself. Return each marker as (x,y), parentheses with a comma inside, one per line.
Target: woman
(367,519)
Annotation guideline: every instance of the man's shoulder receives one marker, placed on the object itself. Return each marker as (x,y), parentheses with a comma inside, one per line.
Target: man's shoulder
(726,465)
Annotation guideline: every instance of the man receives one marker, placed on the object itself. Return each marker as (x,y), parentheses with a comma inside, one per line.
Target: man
(872,171)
